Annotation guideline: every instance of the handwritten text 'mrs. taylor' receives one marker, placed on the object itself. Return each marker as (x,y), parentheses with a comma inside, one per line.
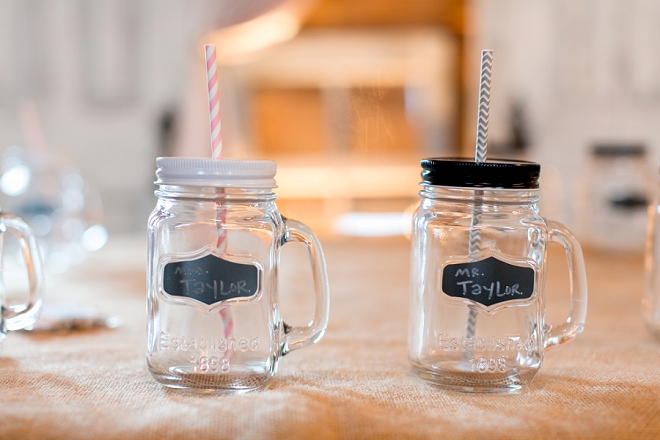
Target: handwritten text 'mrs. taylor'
(215,288)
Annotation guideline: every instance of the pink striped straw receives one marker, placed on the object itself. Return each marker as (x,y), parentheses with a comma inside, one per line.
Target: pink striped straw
(216,153)
(214,101)
(214,121)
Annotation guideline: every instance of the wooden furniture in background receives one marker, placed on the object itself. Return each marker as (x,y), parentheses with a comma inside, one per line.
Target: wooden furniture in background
(364,92)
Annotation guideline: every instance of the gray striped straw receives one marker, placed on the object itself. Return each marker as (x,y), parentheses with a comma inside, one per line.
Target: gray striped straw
(481,151)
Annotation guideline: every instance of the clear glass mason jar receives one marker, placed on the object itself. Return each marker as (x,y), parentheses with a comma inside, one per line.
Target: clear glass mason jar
(21,316)
(478,272)
(651,298)
(213,321)
(613,194)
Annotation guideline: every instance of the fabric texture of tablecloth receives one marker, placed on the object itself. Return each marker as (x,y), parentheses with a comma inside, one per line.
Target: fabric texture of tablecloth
(355,383)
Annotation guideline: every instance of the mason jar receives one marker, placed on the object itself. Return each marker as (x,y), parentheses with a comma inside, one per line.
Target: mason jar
(478,274)
(213,321)
(613,193)
(651,298)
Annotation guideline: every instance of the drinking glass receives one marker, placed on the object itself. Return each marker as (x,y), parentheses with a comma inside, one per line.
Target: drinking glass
(18,317)
(479,266)
(214,247)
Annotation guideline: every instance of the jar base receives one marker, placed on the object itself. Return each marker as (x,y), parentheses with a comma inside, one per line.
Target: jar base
(233,382)
(464,380)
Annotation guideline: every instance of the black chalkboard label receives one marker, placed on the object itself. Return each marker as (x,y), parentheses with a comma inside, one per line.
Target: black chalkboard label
(210,279)
(488,281)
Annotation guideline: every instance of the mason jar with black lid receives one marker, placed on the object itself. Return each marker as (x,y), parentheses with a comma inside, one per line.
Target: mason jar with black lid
(478,272)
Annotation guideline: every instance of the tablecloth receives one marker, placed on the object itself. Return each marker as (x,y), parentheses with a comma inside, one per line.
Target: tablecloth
(354,384)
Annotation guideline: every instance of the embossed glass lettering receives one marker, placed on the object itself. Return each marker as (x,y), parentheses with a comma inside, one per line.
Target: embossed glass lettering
(185,343)
(514,343)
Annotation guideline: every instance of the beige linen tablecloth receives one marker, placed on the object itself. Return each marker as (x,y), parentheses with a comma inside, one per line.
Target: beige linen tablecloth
(355,383)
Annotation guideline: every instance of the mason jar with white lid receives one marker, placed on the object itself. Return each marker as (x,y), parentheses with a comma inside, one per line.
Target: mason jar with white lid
(213,321)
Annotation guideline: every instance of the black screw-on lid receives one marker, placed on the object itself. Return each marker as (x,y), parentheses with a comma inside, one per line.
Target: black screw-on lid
(495,173)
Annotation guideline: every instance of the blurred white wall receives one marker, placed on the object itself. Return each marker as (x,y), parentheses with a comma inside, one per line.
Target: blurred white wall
(102,74)
(585,71)
(106,77)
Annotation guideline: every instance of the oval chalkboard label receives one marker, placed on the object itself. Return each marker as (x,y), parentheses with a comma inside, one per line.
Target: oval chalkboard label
(210,279)
(488,282)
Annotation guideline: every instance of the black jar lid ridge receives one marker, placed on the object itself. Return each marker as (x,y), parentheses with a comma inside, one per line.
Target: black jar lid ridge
(494,173)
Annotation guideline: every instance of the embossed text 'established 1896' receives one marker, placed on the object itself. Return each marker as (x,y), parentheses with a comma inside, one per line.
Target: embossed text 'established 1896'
(471,344)
(168,341)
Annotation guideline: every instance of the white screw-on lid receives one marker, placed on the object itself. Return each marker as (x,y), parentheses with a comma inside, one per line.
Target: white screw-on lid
(233,173)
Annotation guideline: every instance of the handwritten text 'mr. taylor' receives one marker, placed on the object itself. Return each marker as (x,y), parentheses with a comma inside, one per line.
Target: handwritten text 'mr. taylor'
(494,288)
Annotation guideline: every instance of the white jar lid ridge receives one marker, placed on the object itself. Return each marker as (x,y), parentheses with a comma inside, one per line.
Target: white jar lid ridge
(243,173)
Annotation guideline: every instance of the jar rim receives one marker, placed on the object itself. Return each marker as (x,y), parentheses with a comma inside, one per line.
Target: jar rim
(478,195)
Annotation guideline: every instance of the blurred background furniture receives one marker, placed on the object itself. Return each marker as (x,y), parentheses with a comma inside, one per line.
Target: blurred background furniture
(333,84)
(324,87)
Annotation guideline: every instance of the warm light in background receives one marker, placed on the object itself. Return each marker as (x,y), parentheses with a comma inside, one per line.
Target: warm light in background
(235,42)
(347,115)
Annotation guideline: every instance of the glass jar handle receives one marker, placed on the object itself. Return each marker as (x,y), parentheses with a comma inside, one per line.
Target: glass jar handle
(558,334)
(298,337)
(24,315)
